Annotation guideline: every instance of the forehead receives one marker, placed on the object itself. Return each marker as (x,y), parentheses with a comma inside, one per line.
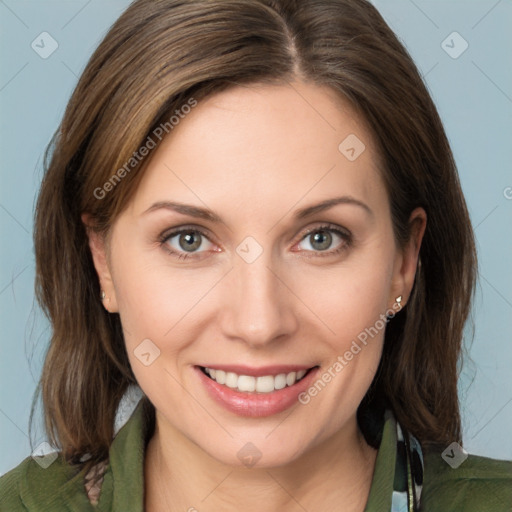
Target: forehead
(264,144)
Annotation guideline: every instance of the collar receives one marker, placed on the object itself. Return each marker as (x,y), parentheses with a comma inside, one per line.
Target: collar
(396,483)
(123,482)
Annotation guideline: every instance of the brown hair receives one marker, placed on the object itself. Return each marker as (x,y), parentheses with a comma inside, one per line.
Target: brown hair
(155,58)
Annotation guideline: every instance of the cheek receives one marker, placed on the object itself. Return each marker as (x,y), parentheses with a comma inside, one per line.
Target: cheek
(351,302)
(151,295)
(160,303)
(354,310)
(347,299)
(153,302)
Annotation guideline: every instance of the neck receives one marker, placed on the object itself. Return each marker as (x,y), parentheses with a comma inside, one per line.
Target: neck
(334,475)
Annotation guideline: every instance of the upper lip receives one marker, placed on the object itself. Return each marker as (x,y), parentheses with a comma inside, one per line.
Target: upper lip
(261,371)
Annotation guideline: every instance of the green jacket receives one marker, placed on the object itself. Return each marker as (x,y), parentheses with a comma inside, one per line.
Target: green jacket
(478,485)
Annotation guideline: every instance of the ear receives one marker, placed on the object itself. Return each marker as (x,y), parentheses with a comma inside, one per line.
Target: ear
(406,262)
(99,251)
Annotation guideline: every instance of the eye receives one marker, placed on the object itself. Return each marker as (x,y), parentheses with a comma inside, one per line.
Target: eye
(186,242)
(323,238)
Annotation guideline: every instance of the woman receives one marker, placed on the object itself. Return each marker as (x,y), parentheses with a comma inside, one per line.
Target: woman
(252,212)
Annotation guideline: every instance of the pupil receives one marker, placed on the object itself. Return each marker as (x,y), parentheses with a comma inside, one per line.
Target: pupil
(323,238)
(187,241)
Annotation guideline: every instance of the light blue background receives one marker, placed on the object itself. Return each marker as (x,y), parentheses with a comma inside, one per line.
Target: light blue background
(474,96)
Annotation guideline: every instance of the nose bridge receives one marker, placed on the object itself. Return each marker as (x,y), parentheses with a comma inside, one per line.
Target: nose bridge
(259,305)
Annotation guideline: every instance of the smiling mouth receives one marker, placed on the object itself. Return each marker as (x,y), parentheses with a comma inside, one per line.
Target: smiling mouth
(261,384)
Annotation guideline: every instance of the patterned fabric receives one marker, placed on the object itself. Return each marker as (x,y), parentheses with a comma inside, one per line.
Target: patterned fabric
(408,480)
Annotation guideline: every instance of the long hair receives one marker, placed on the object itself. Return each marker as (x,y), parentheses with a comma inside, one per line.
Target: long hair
(159,56)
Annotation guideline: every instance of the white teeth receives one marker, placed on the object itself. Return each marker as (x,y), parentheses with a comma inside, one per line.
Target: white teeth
(290,378)
(246,383)
(300,374)
(264,384)
(231,380)
(280,381)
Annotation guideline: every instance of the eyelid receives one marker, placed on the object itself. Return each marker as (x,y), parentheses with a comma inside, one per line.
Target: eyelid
(327,226)
(170,232)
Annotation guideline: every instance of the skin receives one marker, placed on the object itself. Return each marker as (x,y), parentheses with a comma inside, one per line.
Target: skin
(254,155)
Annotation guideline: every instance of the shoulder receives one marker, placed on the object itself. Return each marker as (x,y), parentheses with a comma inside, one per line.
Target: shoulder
(42,483)
(10,495)
(50,483)
(476,484)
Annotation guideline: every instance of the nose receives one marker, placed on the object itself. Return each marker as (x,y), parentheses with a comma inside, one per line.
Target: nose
(258,305)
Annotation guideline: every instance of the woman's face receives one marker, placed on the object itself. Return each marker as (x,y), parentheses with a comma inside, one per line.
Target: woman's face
(286,262)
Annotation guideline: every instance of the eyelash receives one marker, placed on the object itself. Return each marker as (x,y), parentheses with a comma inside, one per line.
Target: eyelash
(344,235)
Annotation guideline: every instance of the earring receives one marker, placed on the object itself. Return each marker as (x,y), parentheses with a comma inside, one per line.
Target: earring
(102,295)
(398,300)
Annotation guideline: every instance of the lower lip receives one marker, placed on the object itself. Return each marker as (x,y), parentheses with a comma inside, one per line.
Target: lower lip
(256,405)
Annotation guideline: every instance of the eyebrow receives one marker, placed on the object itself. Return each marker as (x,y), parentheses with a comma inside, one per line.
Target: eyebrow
(329,203)
(206,214)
